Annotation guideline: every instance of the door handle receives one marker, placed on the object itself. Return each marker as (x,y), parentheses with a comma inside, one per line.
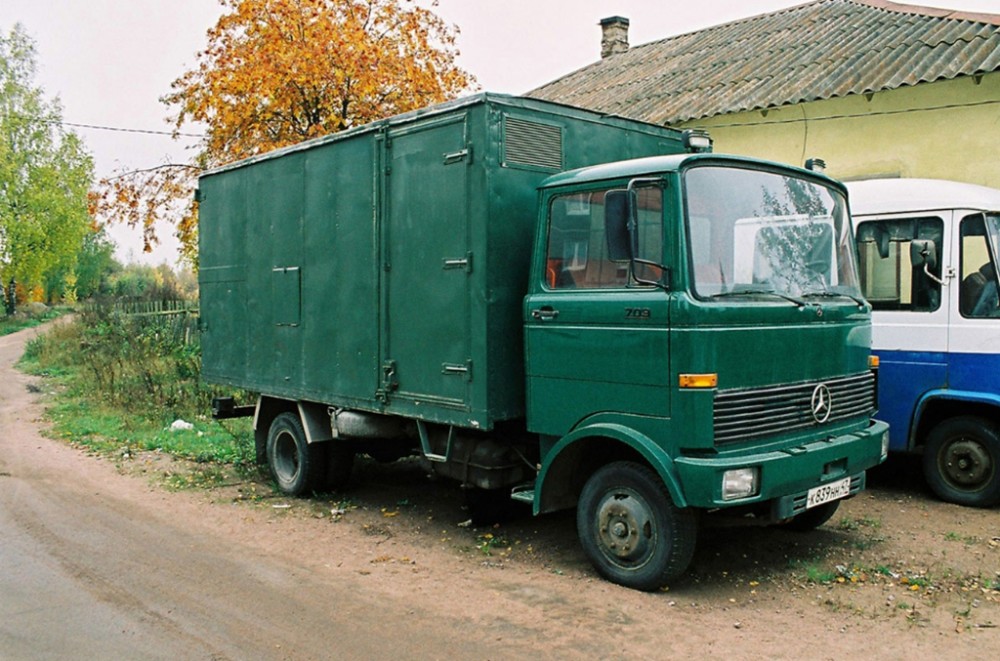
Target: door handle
(545,314)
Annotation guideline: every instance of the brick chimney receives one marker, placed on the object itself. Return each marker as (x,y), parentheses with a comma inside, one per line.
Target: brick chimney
(614,36)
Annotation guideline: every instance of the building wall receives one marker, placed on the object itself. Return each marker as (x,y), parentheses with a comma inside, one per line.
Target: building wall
(942,130)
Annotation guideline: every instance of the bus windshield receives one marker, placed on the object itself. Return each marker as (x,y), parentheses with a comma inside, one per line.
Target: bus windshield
(756,231)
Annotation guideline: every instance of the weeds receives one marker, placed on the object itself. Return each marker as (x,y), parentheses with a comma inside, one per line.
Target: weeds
(968,540)
(816,574)
(488,542)
(121,380)
(850,525)
(201,478)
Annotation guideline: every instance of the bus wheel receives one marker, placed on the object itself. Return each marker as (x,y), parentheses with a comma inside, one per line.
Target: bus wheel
(962,461)
(630,529)
(296,467)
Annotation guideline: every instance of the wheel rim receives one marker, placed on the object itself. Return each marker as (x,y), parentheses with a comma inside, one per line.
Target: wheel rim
(625,528)
(286,457)
(965,464)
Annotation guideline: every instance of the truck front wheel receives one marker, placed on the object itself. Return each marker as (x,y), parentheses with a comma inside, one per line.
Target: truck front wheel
(630,529)
(962,461)
(296,466)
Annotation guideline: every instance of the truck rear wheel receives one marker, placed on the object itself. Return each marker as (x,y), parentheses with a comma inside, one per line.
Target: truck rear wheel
(962,461)
(297,467)
(630,528)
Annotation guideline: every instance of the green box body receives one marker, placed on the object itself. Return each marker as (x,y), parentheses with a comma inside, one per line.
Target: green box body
(383,268)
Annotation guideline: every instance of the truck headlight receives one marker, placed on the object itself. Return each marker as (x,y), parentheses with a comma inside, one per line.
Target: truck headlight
(740,483)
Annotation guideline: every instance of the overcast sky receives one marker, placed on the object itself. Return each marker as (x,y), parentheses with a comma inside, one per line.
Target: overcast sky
(109,61)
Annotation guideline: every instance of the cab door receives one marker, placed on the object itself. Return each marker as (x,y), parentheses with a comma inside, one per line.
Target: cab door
(910,318)
(596,340)
(974,354)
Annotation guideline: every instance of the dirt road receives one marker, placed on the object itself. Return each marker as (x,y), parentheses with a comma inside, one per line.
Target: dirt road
(100,561)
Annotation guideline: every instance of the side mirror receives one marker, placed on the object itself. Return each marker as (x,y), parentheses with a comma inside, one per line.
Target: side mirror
(617,214)
(923,253)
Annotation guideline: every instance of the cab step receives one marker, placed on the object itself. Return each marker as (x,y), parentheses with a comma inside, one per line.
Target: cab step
(524,493)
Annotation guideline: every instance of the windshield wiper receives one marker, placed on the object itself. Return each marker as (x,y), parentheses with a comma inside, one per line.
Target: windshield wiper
(766,292)
(829,293)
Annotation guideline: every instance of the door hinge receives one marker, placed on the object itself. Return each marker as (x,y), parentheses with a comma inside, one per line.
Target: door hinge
(458,369)
(464,263)
(459,156)
(389,380)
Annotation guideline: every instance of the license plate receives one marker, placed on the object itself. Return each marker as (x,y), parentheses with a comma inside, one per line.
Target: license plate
(828,492)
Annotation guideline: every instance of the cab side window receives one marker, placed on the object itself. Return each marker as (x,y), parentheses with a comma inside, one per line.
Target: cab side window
(889,279)
(577,252)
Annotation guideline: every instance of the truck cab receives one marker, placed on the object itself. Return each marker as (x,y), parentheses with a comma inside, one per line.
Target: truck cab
(928,252)
(697,320)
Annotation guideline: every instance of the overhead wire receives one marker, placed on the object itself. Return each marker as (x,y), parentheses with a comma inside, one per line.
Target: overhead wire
(118,129)
(125,130)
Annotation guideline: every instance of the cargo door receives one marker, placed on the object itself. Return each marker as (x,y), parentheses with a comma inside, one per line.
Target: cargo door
(224,317)
(223,323)
(427,266)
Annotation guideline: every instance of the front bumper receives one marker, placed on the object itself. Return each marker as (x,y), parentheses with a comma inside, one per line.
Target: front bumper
(785,475)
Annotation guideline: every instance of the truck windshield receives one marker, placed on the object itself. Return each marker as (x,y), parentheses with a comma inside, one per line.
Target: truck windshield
(760,232)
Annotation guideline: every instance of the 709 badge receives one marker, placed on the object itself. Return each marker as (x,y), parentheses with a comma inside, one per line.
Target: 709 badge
(638,313)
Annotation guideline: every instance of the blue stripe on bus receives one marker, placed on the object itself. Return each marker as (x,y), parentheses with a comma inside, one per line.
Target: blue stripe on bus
(905,377)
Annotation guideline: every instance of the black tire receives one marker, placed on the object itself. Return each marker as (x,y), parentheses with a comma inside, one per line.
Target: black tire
(296,467)
(962,461)
(813,518)
(630,528)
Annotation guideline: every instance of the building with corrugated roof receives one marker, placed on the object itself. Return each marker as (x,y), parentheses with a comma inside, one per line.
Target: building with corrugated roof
(875,88)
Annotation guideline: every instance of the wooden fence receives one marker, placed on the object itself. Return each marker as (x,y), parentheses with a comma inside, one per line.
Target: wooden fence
(178,317)
(157,307)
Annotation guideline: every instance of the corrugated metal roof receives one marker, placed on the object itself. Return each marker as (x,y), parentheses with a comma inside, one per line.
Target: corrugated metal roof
(819,50)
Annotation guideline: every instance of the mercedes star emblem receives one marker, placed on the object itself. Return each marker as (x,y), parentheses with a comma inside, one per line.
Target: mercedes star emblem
(821,404)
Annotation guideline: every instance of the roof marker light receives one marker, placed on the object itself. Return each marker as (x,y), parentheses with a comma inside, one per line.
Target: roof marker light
(816,165)
(696,141)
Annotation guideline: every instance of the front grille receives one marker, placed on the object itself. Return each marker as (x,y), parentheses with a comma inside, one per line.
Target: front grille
(752,413)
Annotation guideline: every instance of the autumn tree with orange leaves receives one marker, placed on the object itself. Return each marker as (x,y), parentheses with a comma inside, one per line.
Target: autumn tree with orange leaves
(277,72)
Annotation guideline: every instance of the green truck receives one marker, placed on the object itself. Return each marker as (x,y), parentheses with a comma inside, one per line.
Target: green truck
(564,308)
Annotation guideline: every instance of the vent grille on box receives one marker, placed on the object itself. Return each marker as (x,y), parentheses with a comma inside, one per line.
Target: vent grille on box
(530,144)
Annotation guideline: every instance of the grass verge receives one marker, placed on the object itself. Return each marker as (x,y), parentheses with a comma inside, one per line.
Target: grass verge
(124,387)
